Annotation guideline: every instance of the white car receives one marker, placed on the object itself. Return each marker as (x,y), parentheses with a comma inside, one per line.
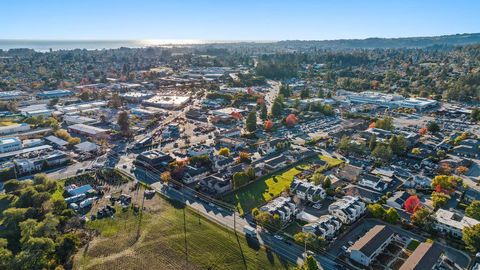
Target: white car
(279,237)
(317,206)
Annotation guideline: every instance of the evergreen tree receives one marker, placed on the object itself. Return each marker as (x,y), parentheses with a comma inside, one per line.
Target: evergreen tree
(251,121)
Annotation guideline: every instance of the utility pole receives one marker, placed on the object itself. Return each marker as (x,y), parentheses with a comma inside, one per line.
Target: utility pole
(185,228)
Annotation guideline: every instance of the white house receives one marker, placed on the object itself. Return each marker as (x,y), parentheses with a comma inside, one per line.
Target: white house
(326,226)
(448,222)
(193,174)
(307,190)
(369,246)
(348,209)
(283,206)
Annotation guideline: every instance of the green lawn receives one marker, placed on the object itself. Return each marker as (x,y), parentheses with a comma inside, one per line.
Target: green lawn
(413,244)
(161,244)
(332,162)
(262,191)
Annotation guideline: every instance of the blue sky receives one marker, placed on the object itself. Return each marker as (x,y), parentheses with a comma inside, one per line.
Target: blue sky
(235,20)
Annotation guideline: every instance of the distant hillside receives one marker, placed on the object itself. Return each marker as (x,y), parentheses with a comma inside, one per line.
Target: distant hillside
(383,43)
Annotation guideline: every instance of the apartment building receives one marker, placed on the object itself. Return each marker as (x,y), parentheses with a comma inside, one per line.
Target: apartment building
(326,226)
(283,206)
(348,209)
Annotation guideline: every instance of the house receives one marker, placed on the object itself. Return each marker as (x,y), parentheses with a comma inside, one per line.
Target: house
(420,181)
(271,146)
(282,206)
(275,162)
(368,195)
(153,158)
(468,148)
(369,246)
(193,174)
(199,150)
(307,190)
(471,195)
(398,199)
(231,143)
(425,257)
(348,173)
(10,144)
(217,184)
(373,182)
(348,209)
(220,162)
(87,147)
(89,131)
(448,222)
(326,226)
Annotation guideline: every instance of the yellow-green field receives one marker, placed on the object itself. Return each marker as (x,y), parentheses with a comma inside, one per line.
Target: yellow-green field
(161,243)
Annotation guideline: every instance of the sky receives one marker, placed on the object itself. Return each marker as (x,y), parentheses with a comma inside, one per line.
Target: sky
(234,19)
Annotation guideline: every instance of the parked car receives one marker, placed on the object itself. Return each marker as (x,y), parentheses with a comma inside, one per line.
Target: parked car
(279,237)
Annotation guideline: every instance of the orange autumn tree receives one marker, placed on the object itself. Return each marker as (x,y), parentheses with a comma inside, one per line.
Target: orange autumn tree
(372,125)
(291,120)
(422,131)
(268,125)
(412,204)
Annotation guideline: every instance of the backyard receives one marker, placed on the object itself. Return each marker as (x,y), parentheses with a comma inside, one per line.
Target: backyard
(267,188)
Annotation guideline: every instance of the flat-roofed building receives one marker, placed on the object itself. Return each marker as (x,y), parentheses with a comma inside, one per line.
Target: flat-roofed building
(369,246)
(10,144)
(12,95)
(167,102)
(77,119)
(89,131)
(14,128)
(448,222)
(55,93)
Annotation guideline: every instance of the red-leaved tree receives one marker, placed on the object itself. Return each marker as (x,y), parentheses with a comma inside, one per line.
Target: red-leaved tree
(412,204)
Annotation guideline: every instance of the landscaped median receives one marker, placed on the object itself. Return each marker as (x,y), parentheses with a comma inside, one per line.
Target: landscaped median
(271,186)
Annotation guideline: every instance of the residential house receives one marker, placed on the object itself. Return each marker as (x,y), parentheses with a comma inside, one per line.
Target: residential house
(271,146)
(193,174)
(348,209)
(426,256)
(448,222)
(326,226)
(373,182)
(307,191)
(468,148)
(220,162)
(471,195)
(398,199)
(369,246)
(281,206)
(275,163)
(368,195)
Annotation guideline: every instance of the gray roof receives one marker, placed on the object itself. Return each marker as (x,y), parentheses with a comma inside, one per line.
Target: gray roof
(425,256)
(372,240)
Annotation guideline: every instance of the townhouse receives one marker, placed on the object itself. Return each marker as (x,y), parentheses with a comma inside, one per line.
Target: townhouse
(326,226)
(284,207)
(348,209)
(369,246)
(307,191)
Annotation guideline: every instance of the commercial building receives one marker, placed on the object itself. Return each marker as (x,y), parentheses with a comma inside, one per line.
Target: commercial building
(12,95)
(10,144)
(39,112)
(348,209)
(167,102)
(369,246)
(21,152)
(76,119)
(89,131)
(54,93)
(154,158)
(451,223)
(135,96)
(14,128)
(282,206)
(389,100)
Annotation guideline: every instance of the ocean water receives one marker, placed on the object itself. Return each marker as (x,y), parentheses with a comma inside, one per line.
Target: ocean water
(46,45)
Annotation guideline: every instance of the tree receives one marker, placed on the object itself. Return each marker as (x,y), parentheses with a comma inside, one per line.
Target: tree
(382,152)
(66,247)
(244,157)
(309,264)
(412,204)
(385,123)
(398,144)
(284,90)
(263,112)
(439,199)
(416,151)
(124,123)
(422,217)
(422,131)
(251,121)
(462,170)
(473,210)
(376,210)
(392,216)
(372,142)
(115,102)
(277,108)
(165,177)
(268,125)
(471,237)
(327,183)
(475,115)
(305,93)
(433,127)
(224,152)
(445,183)
(291,120)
